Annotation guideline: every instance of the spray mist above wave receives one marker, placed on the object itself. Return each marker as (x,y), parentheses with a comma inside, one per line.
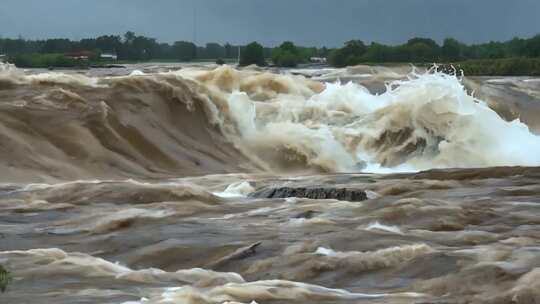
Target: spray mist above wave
(426,121)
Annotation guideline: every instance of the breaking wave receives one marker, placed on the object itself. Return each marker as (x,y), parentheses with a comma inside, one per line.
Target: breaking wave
(199,285)
(427,121)
(69,126)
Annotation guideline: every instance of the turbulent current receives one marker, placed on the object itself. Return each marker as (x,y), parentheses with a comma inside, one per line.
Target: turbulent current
(133,186)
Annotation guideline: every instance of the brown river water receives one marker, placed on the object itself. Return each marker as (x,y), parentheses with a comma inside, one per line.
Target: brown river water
(131,186)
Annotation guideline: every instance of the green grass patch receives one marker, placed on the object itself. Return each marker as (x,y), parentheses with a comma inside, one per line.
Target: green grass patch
(46,61)
(5,279)
(501,67)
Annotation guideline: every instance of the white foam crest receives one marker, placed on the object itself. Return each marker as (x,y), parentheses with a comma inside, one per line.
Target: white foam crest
(381,227)
(428,121)
(239,189)
(348,98)
(44,186)
(137,73)
(325,251)
(51,261)
(243,111)
(269,290)
(10,73)
(392,254)
(63,78)
(372,194)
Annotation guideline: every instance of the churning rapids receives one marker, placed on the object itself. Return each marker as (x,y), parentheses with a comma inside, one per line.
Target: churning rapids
(133,187)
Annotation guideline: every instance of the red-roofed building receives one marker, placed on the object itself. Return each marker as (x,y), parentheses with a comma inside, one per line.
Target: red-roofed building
(79,55)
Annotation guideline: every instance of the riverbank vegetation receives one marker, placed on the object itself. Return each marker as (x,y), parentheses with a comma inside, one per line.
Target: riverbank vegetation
(427,50)
(514,57)
(5,279)
(127,48)
(500,67)
(253,54)
(46,61)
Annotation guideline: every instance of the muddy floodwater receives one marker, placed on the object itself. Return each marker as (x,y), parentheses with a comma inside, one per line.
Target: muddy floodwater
(137,186)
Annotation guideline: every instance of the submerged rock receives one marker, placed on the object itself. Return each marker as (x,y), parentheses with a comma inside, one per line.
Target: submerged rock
(239,254)
(306,214)
(342,194)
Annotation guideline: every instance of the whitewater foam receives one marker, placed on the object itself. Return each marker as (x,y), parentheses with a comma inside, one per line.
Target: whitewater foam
(239,189)
(287,123)
(427,121)
(385,228)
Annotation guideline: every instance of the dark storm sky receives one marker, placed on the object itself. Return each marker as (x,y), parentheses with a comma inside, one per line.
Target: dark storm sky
(307,22)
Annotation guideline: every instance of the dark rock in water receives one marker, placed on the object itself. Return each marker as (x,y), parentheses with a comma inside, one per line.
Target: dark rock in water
(239,254)
(307,214)
(342,194)
(449,69)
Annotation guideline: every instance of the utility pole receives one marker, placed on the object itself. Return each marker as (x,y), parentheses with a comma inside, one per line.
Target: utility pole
(195,23)
(239,53)
(195,27)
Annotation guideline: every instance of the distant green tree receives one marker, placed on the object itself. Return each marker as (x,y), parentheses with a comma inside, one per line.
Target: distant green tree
(229,51)
(129,37)
(323,52)
(184,51)
(290,47)
(131,46)
(305,53)
(285,58)
(423,50)
(286,55)
(533,46)
(451,50)
(88,44)
(143,48)
(355,47)
(429,42)
(350,54)
(57,46)
(267,52)
(516,47)
(164,51)
(492,50)
(214,50)
(253,53)
(109,44)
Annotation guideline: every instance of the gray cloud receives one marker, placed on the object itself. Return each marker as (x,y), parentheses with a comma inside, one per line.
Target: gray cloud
(307,22)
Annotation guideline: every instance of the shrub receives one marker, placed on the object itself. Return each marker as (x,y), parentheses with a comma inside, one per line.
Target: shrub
(287,59)
(350,54)
(5,279)
(286,55)
(253,53)
(501,67)
(45,61)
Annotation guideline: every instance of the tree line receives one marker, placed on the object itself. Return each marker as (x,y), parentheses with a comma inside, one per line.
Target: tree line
(133,47)
(130,46)
(421,50)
